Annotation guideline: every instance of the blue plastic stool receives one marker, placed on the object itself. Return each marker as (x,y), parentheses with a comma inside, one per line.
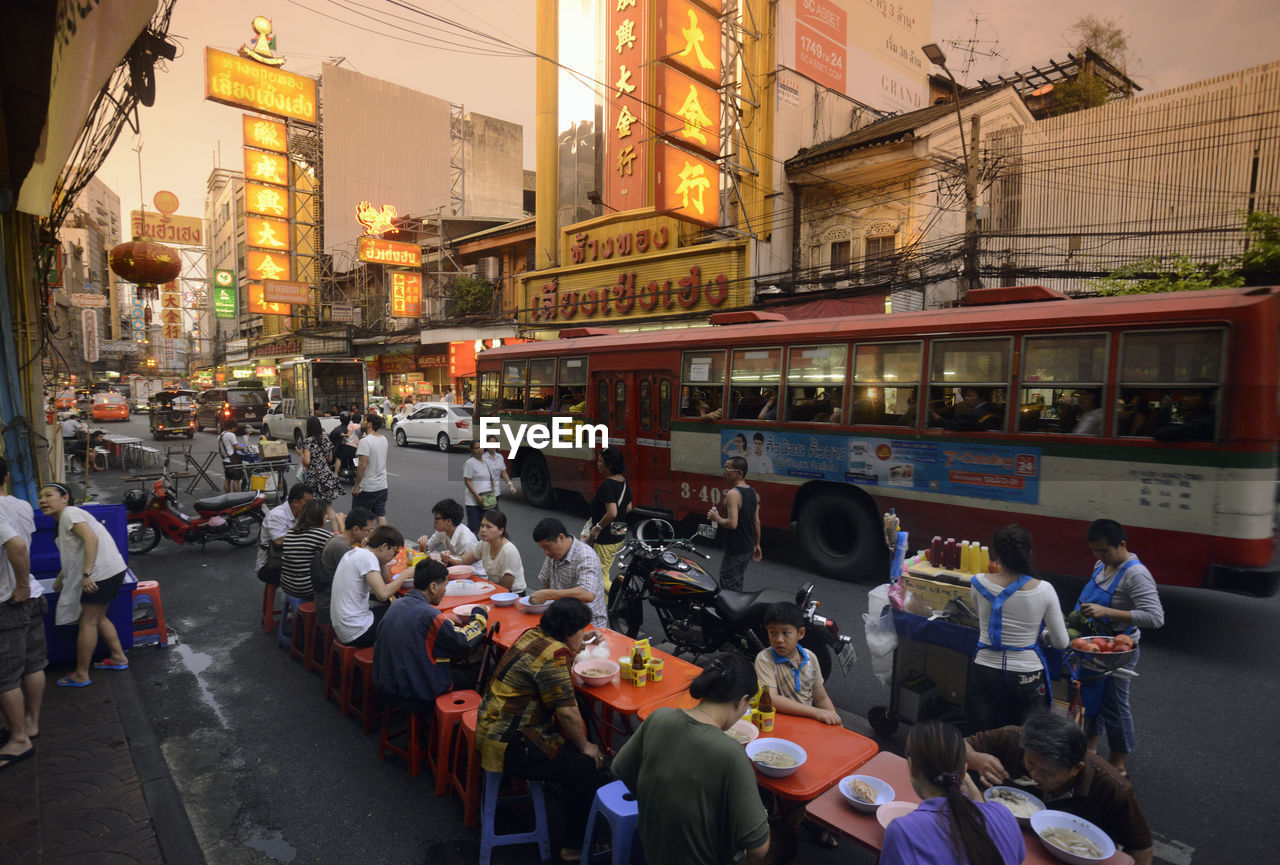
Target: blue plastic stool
(615,804)
(289,616)
(488,811)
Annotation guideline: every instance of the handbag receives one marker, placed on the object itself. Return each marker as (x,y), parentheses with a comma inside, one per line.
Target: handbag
(488,501)
(589,525)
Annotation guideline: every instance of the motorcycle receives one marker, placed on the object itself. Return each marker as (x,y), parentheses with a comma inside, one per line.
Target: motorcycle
(234,517)
(699,617)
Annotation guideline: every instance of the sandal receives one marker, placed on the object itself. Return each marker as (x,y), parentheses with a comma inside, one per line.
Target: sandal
(68,682)
(108,664)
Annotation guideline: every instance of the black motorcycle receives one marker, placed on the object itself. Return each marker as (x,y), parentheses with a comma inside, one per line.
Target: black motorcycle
(697,616)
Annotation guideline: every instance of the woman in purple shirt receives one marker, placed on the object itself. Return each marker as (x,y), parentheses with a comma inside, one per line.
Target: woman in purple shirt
(952,825)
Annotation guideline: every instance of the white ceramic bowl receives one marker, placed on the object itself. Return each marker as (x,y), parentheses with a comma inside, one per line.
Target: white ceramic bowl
(504,599)
(530,607)
(1042,821)
(746,731)
(991,794)
(772,744)
(609,664)
(884,793)
(891,811)
(460,571)
(464,611)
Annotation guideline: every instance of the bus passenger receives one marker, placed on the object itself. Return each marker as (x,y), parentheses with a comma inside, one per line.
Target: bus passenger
(770,409)
(973,412)
(1197,423)
(1089,422)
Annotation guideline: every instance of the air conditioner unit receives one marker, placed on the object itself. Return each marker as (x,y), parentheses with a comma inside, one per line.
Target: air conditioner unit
(489,269)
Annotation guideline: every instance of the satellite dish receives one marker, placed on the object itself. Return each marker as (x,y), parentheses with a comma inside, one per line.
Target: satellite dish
(1042,90)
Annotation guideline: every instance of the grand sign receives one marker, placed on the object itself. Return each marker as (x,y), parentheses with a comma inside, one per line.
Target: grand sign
(243,83)
(167,228)
(379,251)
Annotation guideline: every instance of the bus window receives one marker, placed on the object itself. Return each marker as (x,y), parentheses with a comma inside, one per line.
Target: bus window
(572,385)
(886,381)
(602,402)
(754,377)
(969,383)
(620,404)
(542,383)
(815,383)
(646,405)
(664,406)
(513,385)
(701,383)
(488,393)
(1169,384)
(1062,384)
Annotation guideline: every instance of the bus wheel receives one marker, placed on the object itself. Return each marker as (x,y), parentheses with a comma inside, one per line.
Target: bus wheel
(841,537)
(535,480)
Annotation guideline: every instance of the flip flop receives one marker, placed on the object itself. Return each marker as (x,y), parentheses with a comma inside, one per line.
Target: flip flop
(68,682)
(7,760)
(108,665)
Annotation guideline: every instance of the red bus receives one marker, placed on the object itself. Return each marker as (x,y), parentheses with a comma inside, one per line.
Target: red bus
(1024,405)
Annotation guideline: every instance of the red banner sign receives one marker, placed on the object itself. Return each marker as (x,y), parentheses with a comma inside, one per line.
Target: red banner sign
(628,124)
(688,185)
(379,251)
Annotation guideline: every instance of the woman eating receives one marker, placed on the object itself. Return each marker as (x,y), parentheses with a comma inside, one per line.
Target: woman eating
(1009,680)
(97,571)
(699,804)
(495,551)
(951,826)
(307,538)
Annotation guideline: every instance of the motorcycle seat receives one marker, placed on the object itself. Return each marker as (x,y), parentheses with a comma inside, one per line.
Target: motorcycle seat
(740,606)
(227,500)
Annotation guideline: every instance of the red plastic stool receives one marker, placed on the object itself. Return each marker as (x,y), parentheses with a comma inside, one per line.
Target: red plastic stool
(464,774)
(365,708)
(302,640)
(322,640)
(270,615)
(450,708)
(339,670)
(152,629)
(413,751)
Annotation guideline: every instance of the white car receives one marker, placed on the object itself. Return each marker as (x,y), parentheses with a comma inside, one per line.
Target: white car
(435,423)
(401,415)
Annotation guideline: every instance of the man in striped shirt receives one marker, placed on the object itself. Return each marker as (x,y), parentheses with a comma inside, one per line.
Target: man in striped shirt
(572,570)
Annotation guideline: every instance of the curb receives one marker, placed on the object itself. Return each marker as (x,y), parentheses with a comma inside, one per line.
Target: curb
(174,834)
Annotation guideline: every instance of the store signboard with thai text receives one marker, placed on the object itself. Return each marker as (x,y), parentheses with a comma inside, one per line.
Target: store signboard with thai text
(266,200)
(688,185)
(258,304)
(244,83)
(628,124)
(279,291)
(265,134)
(379,251)
(224,302)
(406,294)
(167,228)
(89,301)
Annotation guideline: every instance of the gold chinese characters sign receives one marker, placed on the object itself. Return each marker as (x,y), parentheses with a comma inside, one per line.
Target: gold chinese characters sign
(688,185)
(167,228)
(381,251)
(239,82)
(267,264)
(679,282)
(263,167)
(265,134)
(281,292)
(406,294)
(689,37)
(266,200)
(170,311)
(689,111)
(267,233)
(258,304)
(628,126)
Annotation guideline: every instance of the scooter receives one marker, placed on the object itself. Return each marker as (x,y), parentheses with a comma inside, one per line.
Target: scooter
(234,517)
(699,617)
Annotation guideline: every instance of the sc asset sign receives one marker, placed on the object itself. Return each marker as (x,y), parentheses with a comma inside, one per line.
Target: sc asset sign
(564,433)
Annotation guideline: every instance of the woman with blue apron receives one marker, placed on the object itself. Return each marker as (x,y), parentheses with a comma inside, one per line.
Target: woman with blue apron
(1010,676)
(1121,594)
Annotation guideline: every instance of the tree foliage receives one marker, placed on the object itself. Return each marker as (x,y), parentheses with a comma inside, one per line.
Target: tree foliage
(472,295)
(1259,264)
(1105,36)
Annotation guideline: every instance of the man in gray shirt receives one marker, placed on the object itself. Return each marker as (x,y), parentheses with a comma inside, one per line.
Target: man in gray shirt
(359,524)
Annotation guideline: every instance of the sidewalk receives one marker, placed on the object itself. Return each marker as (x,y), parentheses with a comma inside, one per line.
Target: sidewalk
(97,790)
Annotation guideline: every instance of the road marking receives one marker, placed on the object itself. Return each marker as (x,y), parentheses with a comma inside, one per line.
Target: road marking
(1168,850)
(393,474)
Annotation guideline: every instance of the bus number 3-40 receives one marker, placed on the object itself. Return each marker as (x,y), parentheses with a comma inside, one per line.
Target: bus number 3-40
(713,496)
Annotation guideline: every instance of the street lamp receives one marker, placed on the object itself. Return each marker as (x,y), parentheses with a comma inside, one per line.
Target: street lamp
(939,59)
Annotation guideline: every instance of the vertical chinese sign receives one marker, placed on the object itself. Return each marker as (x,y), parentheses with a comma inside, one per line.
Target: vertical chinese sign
(406,294)
(266,191)
(170,311)
(628,121)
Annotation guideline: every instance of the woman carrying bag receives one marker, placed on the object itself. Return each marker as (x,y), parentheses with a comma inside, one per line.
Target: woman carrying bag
(96,569)
(316,454)
(607,529)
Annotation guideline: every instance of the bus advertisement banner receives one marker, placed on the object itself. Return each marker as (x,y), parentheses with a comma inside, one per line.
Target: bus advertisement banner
(987,471)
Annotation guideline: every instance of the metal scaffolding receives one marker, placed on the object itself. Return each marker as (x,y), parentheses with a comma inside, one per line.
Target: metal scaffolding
(457,160)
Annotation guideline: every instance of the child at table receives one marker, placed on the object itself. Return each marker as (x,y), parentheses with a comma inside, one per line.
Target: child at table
(790,672)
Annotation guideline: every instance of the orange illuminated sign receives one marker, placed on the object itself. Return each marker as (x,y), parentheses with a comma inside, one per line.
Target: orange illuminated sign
(374,220)
(266,200)
(265,134)
(688,185)
(236,81)
(280,292)
(689,37)
(268,264)
(628,124)
(267,233)
(266,167)
(258,304)
(406,294)
(689,110)
(379,251)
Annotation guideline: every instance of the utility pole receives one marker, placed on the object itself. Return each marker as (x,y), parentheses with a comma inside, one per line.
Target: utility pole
(971,206)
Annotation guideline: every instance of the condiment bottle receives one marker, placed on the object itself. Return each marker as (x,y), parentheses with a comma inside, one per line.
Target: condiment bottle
(965,555)
(764,715)
(638,669)
(984,562)
(949,554)
(935,551)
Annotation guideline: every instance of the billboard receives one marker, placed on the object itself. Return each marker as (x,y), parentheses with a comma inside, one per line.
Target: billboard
(265,134)
(224,302)
(279,291)
(244,83)
(167,228)
(379,251)
(258,305)
(406,294)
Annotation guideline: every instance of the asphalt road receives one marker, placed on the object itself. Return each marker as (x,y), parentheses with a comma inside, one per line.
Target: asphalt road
(270,773)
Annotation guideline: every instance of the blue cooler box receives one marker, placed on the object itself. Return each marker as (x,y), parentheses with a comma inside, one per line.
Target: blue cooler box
(45,565)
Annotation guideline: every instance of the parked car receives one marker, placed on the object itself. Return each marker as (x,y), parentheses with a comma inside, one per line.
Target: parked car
(435,423)
(109,406)
(172,414)
(401,415)
(245,405)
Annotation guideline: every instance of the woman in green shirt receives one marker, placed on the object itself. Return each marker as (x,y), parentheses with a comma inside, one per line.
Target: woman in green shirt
(697,790)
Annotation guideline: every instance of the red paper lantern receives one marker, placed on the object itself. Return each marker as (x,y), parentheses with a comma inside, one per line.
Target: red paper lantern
(147,264)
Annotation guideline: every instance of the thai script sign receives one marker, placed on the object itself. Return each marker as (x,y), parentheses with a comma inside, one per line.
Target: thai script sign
(259,305)
(379,251)
(224,302)
(236,81)
(167,228)
(278,349)
(89,301)
(279,291)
